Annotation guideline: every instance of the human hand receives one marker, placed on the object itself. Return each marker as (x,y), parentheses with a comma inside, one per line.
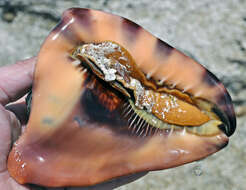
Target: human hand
(15,82)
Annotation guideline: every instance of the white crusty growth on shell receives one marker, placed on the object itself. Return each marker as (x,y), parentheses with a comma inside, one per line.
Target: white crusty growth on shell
(98,52)
(113,70)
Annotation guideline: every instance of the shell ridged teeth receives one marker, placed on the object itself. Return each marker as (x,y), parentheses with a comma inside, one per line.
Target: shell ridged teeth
(76,63)
(187,88)
(162,81)
(84,71)
(197,94)
(133,120)
(173,85)
(149,74)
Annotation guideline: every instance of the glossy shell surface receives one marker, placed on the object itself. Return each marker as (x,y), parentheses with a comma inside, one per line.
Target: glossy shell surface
(74,136)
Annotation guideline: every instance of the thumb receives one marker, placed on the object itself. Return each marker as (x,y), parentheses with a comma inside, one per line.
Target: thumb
(10,128)
(5,137)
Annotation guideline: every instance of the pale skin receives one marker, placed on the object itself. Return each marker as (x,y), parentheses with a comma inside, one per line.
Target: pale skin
(15,82)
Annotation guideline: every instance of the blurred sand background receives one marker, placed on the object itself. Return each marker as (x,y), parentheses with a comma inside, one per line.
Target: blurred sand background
(213,31)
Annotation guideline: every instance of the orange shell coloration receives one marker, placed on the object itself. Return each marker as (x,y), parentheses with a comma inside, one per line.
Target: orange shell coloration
(63,146)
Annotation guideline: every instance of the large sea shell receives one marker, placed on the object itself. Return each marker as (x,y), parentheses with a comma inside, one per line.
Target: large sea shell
(110,99)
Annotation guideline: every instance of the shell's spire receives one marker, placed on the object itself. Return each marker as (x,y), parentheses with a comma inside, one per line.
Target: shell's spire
(99,113)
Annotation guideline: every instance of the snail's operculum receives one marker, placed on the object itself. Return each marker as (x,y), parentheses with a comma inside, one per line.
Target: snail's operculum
(158,106)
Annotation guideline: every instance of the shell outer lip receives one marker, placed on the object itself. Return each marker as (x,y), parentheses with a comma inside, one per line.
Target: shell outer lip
(225,108)
(228,118)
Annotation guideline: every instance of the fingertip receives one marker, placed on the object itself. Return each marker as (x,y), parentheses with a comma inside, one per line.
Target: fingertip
(16,80)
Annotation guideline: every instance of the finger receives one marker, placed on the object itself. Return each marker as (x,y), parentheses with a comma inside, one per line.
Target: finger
(15,127)
(8,183)
(5,137)
(16,80)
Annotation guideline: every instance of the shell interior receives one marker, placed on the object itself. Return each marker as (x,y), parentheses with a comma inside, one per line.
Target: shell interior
(147,105)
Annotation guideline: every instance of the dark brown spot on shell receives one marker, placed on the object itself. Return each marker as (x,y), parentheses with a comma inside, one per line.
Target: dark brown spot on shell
(131,30)
(83,17)
(210,79)
(222,145)
(225,103)
(163,48)
(217,146)
(223,128)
